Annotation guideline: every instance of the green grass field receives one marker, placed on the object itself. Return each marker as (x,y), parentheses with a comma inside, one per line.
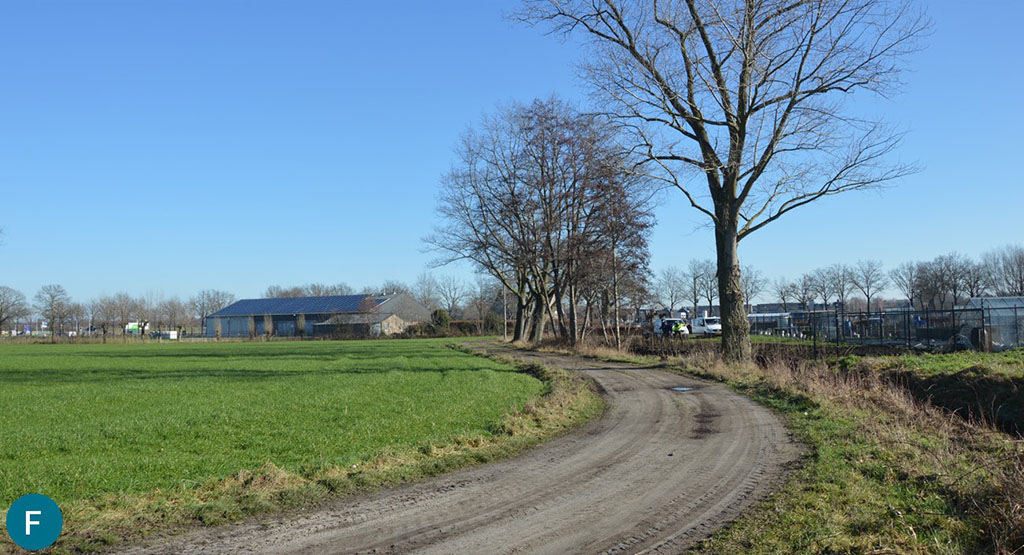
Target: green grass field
(84,421)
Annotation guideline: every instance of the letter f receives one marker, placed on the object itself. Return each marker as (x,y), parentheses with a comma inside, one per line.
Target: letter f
(29,522)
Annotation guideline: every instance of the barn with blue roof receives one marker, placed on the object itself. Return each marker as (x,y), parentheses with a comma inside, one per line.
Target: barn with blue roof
(338,315)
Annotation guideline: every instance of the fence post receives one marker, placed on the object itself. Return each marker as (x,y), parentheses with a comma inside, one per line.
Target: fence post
(906,327)
(1016,328)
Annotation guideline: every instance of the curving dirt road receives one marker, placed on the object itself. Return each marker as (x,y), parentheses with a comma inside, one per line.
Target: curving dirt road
(658,472)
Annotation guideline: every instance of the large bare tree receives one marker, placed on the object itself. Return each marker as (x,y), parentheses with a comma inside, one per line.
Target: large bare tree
(55,305)
(539,194)
(1006,268)
(13,305)
(746,96)
(869,278)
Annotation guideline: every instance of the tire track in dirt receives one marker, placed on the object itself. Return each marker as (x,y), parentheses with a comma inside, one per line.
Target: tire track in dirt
(658,472)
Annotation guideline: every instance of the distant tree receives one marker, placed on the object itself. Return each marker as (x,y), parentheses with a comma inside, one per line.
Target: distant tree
(869,279)
(481,302)
(208,301)
(325,290)
(1006,268)
(823,285)
(76,319)
(707,284)
(451,291)
(905,278)
(784,290)
(278,292)
(54,304)
(805,292)
(841,277)
(175,313)
(425,291)
(392,286)
(697,273)
(13,306)
(126,308)
(753,282)
(671,288)
(977,279)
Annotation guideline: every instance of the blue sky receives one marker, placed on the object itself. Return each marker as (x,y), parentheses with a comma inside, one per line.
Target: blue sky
(167,147)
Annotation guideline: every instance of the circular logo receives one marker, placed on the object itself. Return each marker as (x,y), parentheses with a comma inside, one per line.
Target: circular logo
(34,521)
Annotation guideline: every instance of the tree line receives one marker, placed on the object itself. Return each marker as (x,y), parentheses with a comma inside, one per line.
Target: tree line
(944,282)
(478,300)
(109,314)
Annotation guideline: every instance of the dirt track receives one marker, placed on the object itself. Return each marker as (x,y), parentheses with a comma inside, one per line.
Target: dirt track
(661,470)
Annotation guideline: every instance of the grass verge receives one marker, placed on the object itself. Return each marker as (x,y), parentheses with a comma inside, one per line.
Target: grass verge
(885,472)
(98,521)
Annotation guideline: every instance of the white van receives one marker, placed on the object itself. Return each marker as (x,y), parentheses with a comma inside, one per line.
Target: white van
(706,325)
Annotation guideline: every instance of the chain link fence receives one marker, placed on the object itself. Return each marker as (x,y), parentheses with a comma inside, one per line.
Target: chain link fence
(989,329)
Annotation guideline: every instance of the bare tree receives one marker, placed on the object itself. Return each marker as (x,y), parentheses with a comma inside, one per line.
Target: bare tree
(1006,267)
(823,285)
(869,279)
(784,290)
(325,290)
(208,301)
(753,282)
(176,314)
(54,304)
(977,279)
(747,94)
(671,288)
(13,306)
(805,291)
(905,278)
(480,305)
(278,292)
(452,291)
(539,193)
(126,308)
(707,284)
(842,281)
(425,291)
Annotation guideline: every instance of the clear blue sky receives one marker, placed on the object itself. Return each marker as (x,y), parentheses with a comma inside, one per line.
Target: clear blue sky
(167,147)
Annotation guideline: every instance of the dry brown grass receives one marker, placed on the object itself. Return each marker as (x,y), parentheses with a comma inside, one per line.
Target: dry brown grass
(976,468)
(973,462)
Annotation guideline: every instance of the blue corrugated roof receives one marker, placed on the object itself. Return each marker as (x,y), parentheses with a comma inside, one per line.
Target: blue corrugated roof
(299,305)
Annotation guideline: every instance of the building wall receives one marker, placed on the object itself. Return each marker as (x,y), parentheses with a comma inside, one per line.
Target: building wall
(259,324)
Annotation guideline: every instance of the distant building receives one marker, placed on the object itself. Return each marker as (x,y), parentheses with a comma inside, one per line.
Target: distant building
(341,315)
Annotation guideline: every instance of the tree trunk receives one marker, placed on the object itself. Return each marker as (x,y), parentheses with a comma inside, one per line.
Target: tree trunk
(735,326)
(562,329)
(615,300)
(539,318)
(574,330)
(520,327)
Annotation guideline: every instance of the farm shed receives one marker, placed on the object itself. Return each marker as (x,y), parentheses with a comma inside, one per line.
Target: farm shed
(348,315)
